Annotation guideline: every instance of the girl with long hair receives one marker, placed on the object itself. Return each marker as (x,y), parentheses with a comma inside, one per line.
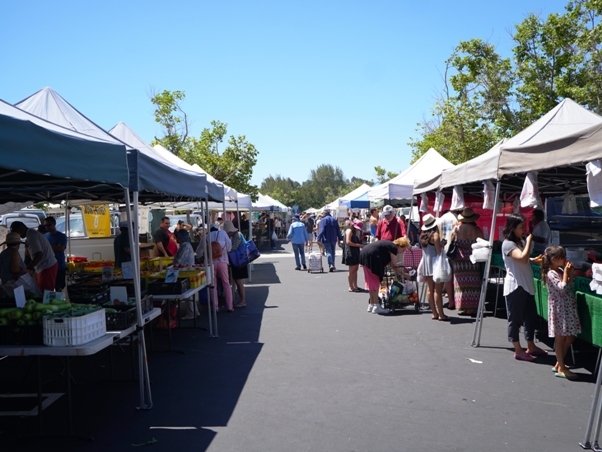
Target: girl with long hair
(563,321)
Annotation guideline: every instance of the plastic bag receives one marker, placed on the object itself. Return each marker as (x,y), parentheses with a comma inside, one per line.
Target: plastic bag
(441,269)
(569,203)
(529,196)
(439,200)
(457,201)
(421,276)
(594,182)
(409,288)
(488,195)
(424,203)
(274,236)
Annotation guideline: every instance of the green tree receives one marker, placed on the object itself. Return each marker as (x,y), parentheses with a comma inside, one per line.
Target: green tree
(282,189)
(233,165)
(382,175)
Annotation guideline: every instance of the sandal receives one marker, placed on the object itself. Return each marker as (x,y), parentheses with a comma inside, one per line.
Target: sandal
(444,319)
(240,305)
(568,375)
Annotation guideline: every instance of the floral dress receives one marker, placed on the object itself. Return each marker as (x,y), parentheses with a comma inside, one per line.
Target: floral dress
(562,307)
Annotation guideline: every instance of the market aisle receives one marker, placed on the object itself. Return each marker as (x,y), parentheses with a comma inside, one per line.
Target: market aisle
(305,367)
(332,377)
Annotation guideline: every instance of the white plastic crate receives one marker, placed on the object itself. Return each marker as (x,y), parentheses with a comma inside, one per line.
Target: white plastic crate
(60,332)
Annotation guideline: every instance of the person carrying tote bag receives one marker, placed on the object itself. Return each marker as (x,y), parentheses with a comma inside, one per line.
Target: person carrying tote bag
(238,251)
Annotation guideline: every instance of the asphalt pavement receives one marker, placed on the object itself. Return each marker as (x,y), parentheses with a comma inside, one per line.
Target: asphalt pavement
(304,367)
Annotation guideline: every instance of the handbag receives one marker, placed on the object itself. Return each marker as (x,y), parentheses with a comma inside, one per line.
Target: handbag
(240,257)
(216,248)
(441,269)
(452,251)
(252,251)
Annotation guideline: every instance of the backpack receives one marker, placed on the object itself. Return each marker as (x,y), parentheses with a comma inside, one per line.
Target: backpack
(216,248)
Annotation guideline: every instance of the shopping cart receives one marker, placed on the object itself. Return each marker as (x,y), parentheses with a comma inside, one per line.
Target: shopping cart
(397,292)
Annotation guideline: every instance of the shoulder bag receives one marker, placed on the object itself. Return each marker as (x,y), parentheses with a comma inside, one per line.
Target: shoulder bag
(240,257)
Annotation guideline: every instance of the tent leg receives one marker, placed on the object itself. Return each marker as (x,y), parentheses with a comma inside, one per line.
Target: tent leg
(146,402)
(476,338)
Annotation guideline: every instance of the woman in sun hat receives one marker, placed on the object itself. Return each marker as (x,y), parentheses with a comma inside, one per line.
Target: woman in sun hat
(467,276)
(352,245)
(11,264)
(432,246)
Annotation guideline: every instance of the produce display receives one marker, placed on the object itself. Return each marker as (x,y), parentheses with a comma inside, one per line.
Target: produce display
(33,312)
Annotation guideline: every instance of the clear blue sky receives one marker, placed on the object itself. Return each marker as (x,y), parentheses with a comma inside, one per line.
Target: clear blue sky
(308,82)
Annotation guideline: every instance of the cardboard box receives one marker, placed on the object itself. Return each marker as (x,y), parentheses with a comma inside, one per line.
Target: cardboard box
(152,252)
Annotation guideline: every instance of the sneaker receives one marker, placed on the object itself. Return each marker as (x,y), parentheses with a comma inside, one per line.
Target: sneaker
(380,310)
(332,269)
(304,267)
(370,307)
(297,268)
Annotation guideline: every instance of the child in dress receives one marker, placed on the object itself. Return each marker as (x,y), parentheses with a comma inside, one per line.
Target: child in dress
(563,321)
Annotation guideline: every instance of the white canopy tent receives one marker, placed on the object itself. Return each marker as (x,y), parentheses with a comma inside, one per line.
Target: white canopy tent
(544,144)
(341,203)
(402,186)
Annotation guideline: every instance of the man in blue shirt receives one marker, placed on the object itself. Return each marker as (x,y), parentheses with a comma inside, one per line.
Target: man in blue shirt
(329,234)
(297,234)
(58,241)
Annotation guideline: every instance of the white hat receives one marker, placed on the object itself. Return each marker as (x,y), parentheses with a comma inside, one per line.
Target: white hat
(428,221)
(388,209)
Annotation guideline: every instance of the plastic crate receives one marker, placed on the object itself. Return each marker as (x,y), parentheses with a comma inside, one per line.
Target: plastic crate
(21,335)
(163,288)
(88,293)
(117,321)
(69,331)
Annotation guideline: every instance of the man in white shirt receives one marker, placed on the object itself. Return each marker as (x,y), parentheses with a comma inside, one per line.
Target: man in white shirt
(42,256)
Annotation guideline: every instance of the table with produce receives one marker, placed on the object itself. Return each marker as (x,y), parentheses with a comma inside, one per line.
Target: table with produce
(87,311)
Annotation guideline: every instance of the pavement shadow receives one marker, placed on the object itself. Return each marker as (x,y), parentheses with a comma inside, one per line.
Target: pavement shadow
(191,392)
(263,273)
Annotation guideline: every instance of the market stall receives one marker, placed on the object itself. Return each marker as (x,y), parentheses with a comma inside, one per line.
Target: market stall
(151,178)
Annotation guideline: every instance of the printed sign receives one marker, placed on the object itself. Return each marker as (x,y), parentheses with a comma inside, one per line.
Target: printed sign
(98,220)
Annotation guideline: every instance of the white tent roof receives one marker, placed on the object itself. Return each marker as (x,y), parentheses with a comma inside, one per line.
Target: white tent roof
(428,165)
(341,203)
(567,121)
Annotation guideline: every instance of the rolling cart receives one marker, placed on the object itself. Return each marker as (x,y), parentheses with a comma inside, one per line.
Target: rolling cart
(397,292)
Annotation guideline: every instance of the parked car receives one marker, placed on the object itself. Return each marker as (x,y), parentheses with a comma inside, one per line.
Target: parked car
(30,220)
(76,225)
(581,229)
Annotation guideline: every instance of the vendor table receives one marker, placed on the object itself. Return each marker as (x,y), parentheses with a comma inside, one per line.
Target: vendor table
(176,298)
(69,353)
(38,351)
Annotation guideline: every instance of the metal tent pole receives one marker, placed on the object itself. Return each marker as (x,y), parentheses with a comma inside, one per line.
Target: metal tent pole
(594,413)
(476,337)
(146,401)
(209,273)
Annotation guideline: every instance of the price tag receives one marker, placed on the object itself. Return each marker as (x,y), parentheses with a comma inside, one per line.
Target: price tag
(172,275)
(127,270)
(20,296)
